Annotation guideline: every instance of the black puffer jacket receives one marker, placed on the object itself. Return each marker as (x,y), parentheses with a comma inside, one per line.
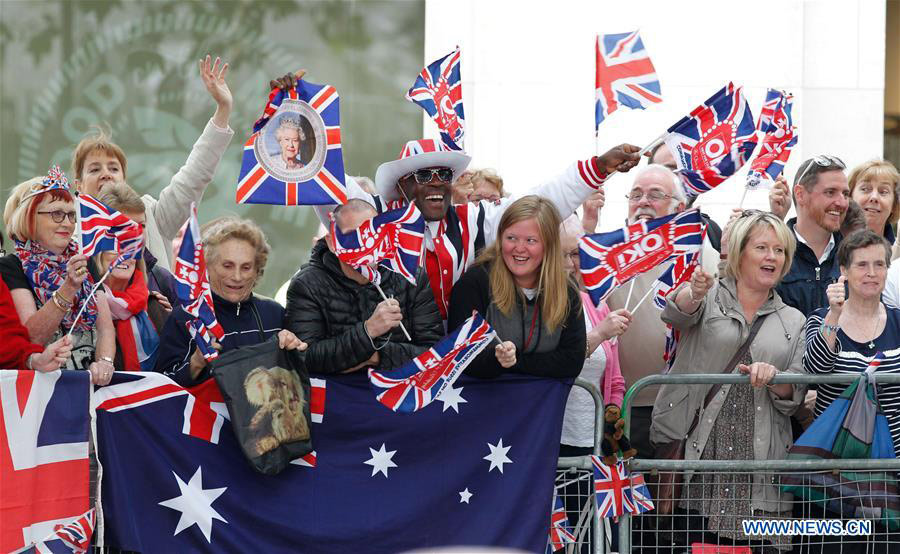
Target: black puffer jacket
(327,310)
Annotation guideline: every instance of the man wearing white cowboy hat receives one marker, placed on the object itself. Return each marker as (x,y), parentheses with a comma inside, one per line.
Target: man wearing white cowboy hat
(454,234)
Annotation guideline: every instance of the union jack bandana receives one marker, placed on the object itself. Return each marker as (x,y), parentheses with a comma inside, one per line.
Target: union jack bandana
(46,272)
(54,180)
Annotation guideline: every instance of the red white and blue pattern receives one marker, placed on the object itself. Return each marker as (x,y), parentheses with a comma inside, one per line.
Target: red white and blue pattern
(638,494)
(394,240)
(560,534)
(417,383)
(625,75)
(192,288)
(44,430)
(610,483)
(103,229)
(74,537)
(256,186)
(714,141)
(779,137)
(54,180)
(611,259)
(438,91)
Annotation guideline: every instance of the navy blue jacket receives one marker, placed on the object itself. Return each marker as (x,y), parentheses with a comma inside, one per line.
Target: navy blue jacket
(804,285)
(241,329)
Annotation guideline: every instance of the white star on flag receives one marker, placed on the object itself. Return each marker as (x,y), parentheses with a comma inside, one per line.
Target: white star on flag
(497,457)
(451,398)
(381,460)
(465,495)
(195,505)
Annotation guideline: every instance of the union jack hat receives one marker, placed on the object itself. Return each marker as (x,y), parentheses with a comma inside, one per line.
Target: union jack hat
(55,180)
(417,154)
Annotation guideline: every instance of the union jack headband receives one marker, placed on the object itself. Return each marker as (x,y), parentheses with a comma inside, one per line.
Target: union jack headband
(55,180)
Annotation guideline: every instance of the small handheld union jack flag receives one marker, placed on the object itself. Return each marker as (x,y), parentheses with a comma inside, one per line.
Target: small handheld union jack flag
(713,141)
(394,240)
(614,258)
(560,534)
(438,91)
(638,494)
(610,483)
(417,383)
(779,137)
(625,75)
(192,288)
(103,229)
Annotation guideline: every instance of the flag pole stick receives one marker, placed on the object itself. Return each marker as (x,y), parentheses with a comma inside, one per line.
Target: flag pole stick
(405,332)
(743,196)
(78,224)
(87,299)
(628,298)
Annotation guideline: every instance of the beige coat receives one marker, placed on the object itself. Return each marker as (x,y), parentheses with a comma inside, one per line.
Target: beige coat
(709,338)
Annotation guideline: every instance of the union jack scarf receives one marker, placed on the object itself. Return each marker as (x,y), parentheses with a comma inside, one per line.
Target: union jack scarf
(46,272)
(136,337)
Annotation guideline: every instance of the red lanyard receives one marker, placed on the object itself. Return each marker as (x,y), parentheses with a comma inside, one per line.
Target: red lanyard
(531,330)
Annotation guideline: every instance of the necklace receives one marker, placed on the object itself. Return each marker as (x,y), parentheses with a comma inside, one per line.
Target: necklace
(875,329)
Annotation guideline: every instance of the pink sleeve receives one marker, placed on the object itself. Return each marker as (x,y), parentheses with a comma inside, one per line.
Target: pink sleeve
(613,384)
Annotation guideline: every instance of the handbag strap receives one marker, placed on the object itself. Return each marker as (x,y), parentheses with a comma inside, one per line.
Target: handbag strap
(754,329)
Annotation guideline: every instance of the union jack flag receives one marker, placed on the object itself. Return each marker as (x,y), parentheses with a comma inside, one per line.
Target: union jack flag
(610,483)
(394,240)
(779,137)
(625,75)
(438,91)
(417,383)
(713,141)
(321,179)
(192,288)
(614,258)
(638,494)
(103,229)
(74,537)
(560,534)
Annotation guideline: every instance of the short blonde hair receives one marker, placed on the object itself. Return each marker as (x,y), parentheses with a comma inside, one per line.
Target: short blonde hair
(490,176)
(99,141)
(878,170)
(18,216)
(230,227)
(740,230)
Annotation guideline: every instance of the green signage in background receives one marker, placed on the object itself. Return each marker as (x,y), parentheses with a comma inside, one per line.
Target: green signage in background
(132,66)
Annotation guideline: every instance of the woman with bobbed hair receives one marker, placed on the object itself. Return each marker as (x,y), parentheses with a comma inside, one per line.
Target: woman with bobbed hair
(741,421)
(236,253)
(520,287)
(873,185)
(48,279)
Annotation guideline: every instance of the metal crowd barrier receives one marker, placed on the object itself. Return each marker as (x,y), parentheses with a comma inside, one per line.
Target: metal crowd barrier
(690,523)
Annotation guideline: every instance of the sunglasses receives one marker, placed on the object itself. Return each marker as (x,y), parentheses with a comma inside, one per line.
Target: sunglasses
(59,215)
(425,176)
(823,161)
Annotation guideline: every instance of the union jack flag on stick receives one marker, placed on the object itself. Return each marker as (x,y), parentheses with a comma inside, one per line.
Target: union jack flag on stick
(438,91)
(779,137)
(614,258)
(713,141)
(192,288)
(625,75)
(638,494)
(416,384)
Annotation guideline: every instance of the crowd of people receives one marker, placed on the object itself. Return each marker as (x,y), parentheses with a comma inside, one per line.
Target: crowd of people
(817,293)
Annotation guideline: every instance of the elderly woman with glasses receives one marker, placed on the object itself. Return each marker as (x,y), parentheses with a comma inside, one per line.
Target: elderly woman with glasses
(749,421)
(48,278)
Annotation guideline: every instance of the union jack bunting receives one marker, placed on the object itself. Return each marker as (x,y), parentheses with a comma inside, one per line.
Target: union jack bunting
(317,175)
(625,75)
(103,229)
(610,483)
(192,288)
(560,534)
(438,91)
(394,240)
(420,381)
(638,494)
(713,141)
(779,137)
(614,258)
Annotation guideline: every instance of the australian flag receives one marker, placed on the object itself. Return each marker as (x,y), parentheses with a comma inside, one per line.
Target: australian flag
(438,91)
(44,430)
(779,137)
(192,288)
(394,240)
(422,380)
(614,258)
(104,229)
(382,482)
(625,75)
(713,141)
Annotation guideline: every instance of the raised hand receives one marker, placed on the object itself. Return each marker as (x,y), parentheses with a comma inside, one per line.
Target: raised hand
(213,75)
(287,81)
(620,158)
(836,296)
(701,282)
(780,197)
(615,324)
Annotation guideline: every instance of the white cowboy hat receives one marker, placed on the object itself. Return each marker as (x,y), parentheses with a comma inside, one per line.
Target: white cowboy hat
(417,154)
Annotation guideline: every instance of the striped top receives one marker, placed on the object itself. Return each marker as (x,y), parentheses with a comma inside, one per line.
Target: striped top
(854,357)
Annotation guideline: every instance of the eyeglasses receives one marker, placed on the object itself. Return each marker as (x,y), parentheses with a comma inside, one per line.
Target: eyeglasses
(425,176)
(823,161)
(59,215)
(653,196)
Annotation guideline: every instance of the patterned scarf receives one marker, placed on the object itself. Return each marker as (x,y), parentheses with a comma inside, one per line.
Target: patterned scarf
(137,338)
(46,271)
